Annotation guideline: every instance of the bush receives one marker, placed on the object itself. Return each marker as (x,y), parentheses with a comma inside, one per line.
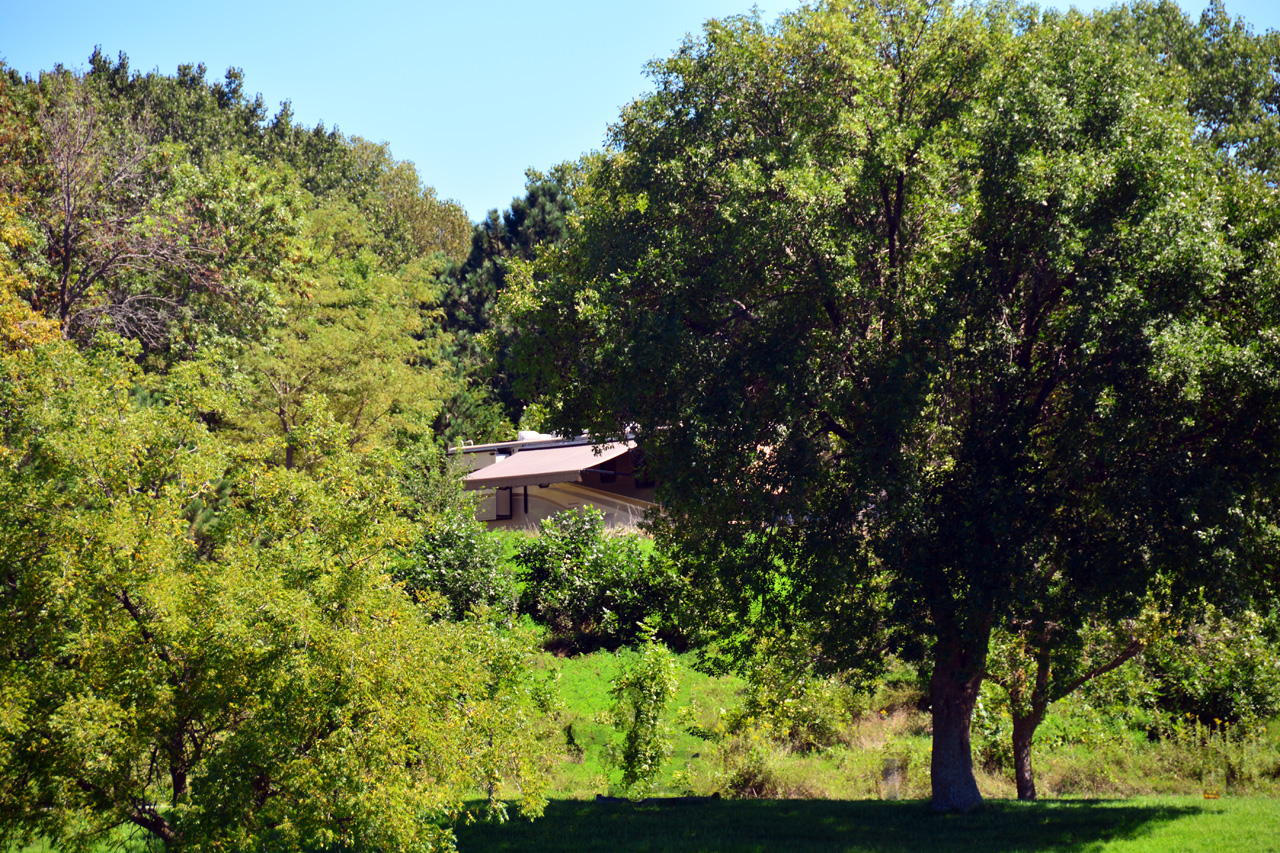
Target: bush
(750,762)
(801,708)
(1220,669)
(456,559)
(900,687)
(592,588)
(754,766)
(644,686)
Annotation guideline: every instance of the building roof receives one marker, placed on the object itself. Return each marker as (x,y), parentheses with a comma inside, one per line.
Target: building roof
(543,466)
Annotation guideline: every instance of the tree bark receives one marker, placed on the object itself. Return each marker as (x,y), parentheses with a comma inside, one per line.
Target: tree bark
(1024,729)
(1024,725)
(953,689)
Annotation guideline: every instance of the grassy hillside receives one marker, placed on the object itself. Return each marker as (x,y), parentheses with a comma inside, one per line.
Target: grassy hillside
(720,748)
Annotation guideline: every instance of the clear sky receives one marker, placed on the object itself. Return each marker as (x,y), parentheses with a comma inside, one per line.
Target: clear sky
(472,94)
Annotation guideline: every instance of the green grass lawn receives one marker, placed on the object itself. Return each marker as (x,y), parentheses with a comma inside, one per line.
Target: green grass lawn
(1139,825)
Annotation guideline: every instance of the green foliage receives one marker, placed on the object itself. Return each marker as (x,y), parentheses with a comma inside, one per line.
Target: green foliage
(484,405)
(899,687)
(645,685)
(457,559)
(408,220)
(137,239)
(173,212)
(1233,91)
(358,339)
(918,359)
(1091,745)
(260,682)
(592,588)
(1035,662)
(533,220)
(798,706)
(1073,721)
(1220,669)
(20,326)
(206,118)
(1215,674)
(208,514)
(211,120)
(203,509)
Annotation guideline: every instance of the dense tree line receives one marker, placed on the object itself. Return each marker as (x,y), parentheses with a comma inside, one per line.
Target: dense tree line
(222,350)
(485,405)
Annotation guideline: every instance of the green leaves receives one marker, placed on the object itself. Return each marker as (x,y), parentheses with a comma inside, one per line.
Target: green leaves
(645,684)
(591,587)
(200,634)
(456,559)
(949,304)
(260,680)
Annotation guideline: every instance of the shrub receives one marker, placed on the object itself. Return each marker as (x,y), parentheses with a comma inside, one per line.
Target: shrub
(801,708)
(754,766)
(900,687)
(645,684)
(456,559)
(750,765)
(594,588)
(1220,668)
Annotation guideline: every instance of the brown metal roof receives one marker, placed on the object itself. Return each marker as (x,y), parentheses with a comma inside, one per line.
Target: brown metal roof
(544,466)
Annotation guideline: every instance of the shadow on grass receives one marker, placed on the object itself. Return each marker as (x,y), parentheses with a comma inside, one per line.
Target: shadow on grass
(764,826)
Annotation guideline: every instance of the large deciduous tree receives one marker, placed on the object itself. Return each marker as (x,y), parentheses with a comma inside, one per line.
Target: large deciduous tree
(139,241)
(929,318)
(1047,651)
(225,668)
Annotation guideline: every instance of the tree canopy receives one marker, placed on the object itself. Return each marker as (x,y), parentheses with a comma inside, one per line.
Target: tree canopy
(220,353)
(485,403)
(223,666)
(929,318)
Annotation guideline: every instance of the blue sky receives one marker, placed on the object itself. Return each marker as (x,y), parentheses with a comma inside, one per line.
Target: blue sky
(472,94)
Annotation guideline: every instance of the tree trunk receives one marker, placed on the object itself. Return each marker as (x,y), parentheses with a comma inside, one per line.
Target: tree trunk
(1024,729)
(1024,725)
(953,691)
